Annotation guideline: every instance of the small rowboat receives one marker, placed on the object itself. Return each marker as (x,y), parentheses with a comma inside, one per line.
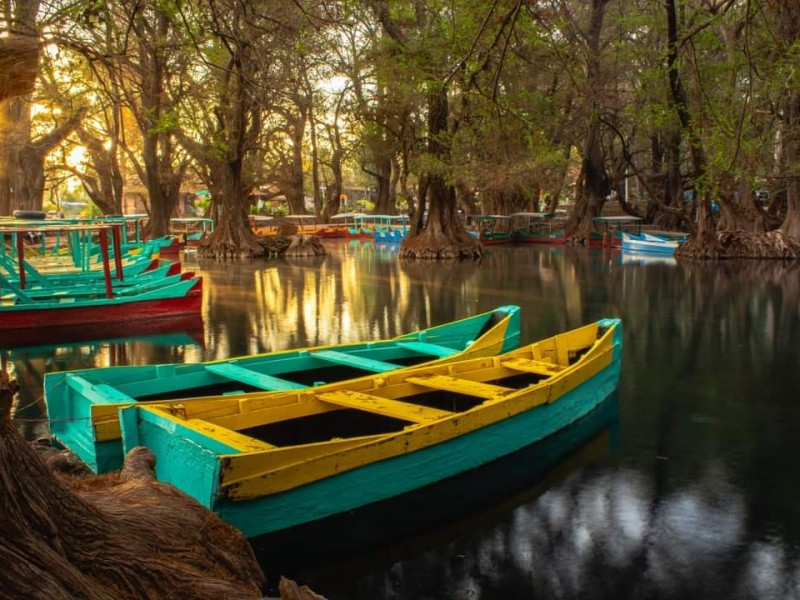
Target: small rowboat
(270,462)
(83,405)
(652,244)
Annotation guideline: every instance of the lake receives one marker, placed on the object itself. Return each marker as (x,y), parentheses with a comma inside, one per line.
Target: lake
(682,485)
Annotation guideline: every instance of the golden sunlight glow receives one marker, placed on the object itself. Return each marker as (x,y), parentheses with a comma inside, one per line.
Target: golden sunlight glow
(76,156)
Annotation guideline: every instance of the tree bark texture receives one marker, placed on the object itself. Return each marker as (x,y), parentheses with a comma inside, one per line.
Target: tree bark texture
(592,186)
(442,235)
(113,537)
(788,27)
(19,65)
(704,244)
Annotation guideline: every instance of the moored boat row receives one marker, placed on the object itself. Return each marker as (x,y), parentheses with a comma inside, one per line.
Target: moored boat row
(83,288)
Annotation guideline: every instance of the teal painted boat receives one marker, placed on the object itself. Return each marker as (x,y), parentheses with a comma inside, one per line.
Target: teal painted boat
(649,243)
(537,228)
(272,462)
(28,307)
(83,405)
(391,229)
(492,230)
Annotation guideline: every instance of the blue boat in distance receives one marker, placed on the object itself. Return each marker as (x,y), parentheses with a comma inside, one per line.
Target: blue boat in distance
(647,242)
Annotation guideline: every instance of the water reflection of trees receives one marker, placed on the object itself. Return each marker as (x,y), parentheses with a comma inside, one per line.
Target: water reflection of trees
(605,534)
(358,291)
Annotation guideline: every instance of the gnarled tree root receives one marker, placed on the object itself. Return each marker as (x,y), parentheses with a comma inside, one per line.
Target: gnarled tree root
(430,245)
(743,244)
(292,245)
(116,536)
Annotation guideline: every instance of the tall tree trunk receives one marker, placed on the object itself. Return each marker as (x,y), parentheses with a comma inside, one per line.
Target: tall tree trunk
(383,182)
(105,187)
(788,20)
(15,131)
(295,192)
(163,171)
(315,180)
(333,191)
(19,65)
(238,123)
(704,244)
(442,233)
(592,187)
(23,174)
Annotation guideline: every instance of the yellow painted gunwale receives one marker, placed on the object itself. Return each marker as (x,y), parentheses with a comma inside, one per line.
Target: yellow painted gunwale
(105,417)
(259,473)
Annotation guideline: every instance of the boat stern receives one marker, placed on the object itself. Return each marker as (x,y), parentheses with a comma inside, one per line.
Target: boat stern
(185,456)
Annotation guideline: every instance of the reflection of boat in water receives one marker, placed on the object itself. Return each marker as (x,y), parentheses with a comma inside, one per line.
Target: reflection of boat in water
(433,515)
(188,337)
(632,257)
(186,325)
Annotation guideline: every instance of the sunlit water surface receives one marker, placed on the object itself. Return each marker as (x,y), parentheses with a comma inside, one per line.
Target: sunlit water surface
(683,485)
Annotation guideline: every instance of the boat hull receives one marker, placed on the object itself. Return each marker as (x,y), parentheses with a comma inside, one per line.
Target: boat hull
(466,497)
(388,478)
(557,237)
(649,244)
(261,489)
(116,331)
(101,312)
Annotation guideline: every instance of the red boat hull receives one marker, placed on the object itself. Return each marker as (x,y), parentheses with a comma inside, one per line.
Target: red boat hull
(82,316)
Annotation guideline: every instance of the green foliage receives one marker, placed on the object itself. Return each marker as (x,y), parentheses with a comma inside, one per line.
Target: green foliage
(245,85)
(165,123)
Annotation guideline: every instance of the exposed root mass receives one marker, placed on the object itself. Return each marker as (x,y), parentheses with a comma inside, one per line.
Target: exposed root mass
(116,536)
(773,245)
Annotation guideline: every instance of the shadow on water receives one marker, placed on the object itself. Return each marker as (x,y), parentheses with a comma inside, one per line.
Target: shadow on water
(327,555)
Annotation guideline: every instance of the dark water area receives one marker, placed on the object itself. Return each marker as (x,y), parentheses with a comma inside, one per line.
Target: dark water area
(682,485)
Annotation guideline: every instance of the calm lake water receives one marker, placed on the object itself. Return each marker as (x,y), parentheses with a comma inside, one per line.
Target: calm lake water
(682,485)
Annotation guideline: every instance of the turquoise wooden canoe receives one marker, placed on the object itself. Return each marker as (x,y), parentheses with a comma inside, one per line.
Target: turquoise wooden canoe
(272,462)
(83,405)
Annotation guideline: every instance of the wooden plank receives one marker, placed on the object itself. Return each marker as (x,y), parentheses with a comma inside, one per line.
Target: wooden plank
(562,349)
(243,443)
(97,393)
(348,360)
(460,386)
(384,406)
(532,366)
(261,381)
(427,348)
